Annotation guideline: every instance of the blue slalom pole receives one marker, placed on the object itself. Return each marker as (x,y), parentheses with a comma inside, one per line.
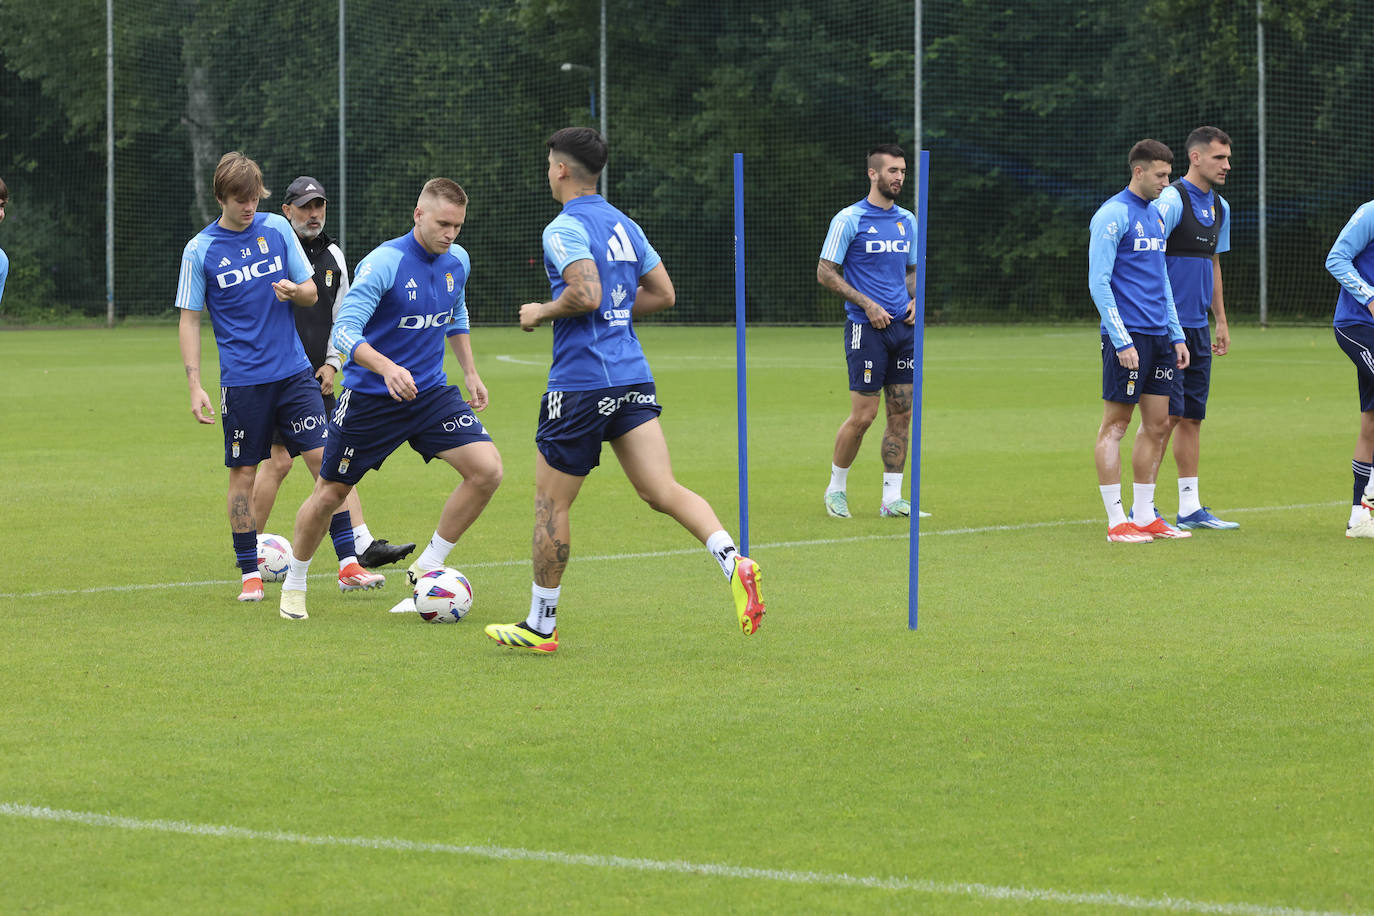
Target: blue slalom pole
(741,401)
(918,371)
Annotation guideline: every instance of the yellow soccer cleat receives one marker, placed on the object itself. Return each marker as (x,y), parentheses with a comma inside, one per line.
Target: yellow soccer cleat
(744,582)
(520,636)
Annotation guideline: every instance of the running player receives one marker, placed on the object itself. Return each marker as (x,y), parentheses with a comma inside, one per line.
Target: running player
(408,297)
(1142,343)
(603,273)
(874,242)
(248,269)
(305,207)
(1197,235)
(1351,262)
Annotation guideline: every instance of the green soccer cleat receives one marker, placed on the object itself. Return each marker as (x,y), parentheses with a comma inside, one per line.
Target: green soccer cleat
(744,583)
(520,636)
(837,504)
(293,604)
(898,508)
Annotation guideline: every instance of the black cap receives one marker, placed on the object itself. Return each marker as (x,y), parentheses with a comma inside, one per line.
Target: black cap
(303,190)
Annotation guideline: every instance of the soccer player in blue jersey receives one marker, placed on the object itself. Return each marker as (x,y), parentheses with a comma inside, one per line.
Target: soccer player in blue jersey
(1198,234)
(874,241)
(408,297)
(604,274)
(1142,342)
(305,207)
(248,270)
(1351,262)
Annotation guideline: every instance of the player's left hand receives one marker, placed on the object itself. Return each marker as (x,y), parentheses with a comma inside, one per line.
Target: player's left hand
(529,315)
(910,313)
(285,289)
(325,375)
(1182,353)
(1221,342)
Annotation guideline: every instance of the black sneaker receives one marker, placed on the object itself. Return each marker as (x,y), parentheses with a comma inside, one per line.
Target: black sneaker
(380,553)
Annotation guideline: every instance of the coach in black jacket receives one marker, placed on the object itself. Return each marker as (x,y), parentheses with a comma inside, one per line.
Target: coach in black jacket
(304,206)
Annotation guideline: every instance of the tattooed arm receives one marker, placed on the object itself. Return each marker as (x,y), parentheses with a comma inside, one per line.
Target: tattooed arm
(581,295)
(828,275)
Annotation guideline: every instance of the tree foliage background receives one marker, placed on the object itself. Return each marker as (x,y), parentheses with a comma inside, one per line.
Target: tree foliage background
(1028,109)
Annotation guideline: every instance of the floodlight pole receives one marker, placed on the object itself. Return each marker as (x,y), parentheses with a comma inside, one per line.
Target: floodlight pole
(917,376)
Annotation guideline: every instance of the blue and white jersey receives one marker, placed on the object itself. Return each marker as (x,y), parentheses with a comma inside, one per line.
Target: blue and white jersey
(4,271)
(1351,262)
(1127,275)
(231,274)
(599,349)
(406,303)
(875,246)
(1191,279)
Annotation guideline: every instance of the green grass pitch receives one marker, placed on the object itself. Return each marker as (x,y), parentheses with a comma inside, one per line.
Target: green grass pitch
(1075,726)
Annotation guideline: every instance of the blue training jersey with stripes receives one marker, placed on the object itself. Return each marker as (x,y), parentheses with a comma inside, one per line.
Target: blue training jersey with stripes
(1192,279)
(599,349)
(875,246)
(405,302)
(1127,276)
(1351,262)
(230,274)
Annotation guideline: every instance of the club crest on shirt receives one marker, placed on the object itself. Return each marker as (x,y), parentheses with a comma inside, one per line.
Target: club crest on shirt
(448,278)
(328,278)
(901,228)
(262,244)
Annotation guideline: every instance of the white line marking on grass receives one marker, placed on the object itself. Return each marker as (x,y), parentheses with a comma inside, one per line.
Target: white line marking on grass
(712,870)
(683,552)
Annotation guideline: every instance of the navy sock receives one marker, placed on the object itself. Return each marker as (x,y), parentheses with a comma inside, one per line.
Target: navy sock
(1362,471)
(246,551)
(341,533)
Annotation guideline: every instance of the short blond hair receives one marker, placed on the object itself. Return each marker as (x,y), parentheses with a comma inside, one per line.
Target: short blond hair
(237,176)
(445,189)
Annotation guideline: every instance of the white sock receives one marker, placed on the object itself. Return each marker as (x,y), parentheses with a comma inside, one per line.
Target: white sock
(362,538)
(1111,498)
(1188,499)
(296,573)
(1143,512)
(892,488)
(1358,514)
(723,548)
(435,553)
(839,479)
(543,617)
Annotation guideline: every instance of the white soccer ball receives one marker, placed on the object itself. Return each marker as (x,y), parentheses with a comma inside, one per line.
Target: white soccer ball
(274,557)
(443,595)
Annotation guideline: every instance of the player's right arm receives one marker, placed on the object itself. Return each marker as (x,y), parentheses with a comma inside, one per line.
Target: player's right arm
(191,301)
(843,227)
(828,275)
(1104,233)
(1357,235)
(374,278)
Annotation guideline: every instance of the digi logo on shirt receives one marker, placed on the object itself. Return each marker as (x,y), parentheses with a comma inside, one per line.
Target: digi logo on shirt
(263,268)
(885,246)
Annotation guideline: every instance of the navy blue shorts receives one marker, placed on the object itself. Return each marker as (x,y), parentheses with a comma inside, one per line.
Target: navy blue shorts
(366,428)
(252,414)
(328,400)
(1155,375)
(1192,385)
(878,357)
(1357,340)
(573,424)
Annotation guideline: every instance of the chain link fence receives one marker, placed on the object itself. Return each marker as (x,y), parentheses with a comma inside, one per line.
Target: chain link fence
(1028,110)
